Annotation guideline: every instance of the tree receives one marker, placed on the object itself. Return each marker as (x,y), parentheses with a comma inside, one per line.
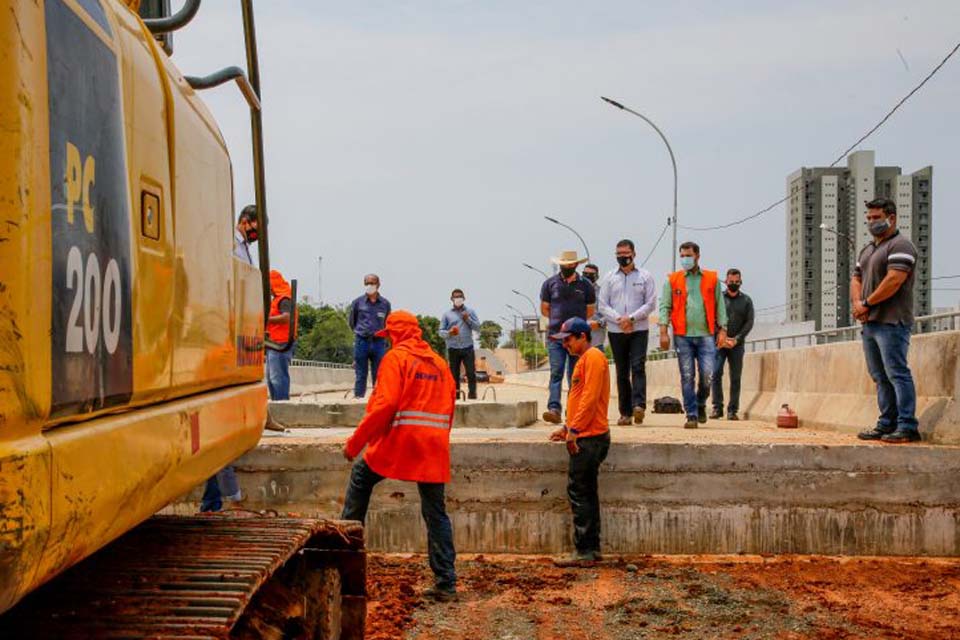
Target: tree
(328,339)
(490,333)
(531,348)
(430,327)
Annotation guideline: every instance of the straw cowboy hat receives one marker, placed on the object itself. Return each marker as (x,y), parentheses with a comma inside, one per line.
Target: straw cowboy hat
(567,258)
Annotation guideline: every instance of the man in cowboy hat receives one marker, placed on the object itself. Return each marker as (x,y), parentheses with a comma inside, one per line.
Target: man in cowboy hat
(563,296)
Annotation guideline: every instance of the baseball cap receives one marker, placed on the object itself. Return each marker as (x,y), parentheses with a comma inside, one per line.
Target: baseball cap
(571,325)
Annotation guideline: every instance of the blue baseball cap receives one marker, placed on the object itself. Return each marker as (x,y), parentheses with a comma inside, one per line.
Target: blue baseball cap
(572,325)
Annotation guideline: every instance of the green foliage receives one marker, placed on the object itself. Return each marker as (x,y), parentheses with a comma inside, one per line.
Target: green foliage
(490,333)
(430,327)
(324,335)
(531,347)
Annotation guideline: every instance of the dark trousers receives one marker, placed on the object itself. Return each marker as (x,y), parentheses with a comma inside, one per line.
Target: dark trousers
(735,357)
(367,354)
(440,549)
(630,358)
(468,358)
(582,481)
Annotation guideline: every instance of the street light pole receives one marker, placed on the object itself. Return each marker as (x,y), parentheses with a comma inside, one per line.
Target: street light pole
(839,234)
(516,347)
(533,268)
(673,161)
(585,248)
(536,315)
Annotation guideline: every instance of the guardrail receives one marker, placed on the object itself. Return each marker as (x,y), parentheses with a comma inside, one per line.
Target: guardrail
(319,365)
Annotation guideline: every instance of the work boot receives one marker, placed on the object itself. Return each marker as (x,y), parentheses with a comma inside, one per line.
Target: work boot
(440,594)
(716,414)
(874,434)
(638,414)
(624,421)
(691,423)
(577,559)
(732,417)
(552,416)
(901,436)
(702,415)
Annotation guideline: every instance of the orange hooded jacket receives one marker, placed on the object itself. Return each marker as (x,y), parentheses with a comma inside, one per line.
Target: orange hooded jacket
(406,427)
(280,290)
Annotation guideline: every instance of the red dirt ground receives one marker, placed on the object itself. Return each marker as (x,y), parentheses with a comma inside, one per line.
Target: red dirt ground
(784,597)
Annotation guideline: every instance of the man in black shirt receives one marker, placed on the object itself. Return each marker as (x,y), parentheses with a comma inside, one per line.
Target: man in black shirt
(739,323)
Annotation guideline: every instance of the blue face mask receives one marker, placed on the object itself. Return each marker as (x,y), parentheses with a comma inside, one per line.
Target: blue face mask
(687,262)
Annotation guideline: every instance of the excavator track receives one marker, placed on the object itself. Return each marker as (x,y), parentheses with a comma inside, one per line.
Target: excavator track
(217,576)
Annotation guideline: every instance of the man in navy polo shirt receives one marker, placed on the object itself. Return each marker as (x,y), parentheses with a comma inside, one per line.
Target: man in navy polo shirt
(368,315)
(563,296)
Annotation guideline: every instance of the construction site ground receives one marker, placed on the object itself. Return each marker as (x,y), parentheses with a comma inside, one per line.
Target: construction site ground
(651,597)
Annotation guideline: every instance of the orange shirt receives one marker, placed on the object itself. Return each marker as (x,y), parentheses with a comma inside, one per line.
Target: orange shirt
(589,395)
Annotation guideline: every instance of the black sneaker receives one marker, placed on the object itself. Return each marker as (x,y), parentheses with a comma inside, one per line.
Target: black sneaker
(701,415)
(901,436)
(732,417)
(440,594)
(716,414)
(874,434)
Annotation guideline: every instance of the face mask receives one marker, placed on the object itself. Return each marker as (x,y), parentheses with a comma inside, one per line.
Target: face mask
(592,277)
(458,302)
(624,261)
(687,262)
(370,289)
(566,272)
(251,235)
(733,286)
(879,227)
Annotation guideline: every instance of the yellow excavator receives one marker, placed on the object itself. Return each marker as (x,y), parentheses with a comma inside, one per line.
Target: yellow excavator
(132,345)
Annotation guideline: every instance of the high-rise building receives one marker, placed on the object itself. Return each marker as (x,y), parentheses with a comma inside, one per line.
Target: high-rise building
(820,260)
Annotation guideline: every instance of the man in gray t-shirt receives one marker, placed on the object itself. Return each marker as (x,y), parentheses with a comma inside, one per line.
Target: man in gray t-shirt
(881,293)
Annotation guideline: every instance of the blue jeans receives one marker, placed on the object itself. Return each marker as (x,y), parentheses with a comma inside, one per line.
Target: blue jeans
(440,549)
(885,347)
(367,354)
(699,353)
(222,486)
(559,358)
(278,372)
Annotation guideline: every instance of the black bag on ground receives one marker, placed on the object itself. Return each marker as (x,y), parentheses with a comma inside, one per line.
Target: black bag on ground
(666,404)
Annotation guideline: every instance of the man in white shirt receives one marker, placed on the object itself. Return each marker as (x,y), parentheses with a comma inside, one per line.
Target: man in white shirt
(627,298)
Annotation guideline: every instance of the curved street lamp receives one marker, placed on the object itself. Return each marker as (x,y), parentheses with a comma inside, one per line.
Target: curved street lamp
(673,161)
(555,221)
(533,268)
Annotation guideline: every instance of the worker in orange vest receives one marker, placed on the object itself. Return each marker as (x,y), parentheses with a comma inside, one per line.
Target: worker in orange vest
(278,330)
(692,303)
(406,430)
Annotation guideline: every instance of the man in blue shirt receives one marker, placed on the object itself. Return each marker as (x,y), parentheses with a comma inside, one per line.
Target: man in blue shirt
(563,296)
(456,327)
(368,315)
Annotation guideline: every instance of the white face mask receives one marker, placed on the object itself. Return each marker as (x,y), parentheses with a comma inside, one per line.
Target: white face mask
(458,302)
(370,289)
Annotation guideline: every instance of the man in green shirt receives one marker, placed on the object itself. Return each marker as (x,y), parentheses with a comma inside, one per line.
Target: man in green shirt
(692,304)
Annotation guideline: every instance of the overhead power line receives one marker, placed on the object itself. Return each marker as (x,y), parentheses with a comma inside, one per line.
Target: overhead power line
(843,155)
(656,244)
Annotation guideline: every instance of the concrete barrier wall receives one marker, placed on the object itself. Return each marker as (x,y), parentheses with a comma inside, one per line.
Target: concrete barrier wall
(318,380)
(828,385)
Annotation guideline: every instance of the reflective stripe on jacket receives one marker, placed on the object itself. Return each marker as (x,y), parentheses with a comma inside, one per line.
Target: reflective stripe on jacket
(678,290)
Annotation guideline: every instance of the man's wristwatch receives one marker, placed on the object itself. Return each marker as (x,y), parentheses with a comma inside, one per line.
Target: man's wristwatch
(865,304)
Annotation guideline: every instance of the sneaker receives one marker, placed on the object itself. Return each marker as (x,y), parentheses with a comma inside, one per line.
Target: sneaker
(552,416)
(691,423)
(577,559)
(638,414)
(901,436)
(732,417)
(624,421)
(874,434)
(440,594)
(716,414)
(701,415)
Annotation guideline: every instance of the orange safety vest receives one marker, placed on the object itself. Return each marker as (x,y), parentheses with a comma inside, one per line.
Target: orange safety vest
(280,289)
(406,427)
(678,289)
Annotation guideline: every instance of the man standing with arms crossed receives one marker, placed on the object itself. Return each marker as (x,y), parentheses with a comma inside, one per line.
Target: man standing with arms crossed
(563,296)
(739,323)
(587,437)
(627,298)
(456,328)
(881,294)
(406,431)
(368,315)
(692,304)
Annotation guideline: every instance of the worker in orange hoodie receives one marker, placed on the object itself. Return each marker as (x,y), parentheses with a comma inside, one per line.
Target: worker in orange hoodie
(406,430)
(587,436)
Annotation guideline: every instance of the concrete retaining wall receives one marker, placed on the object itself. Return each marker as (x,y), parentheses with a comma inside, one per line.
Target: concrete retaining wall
(657,498)
(476,414)
(318,380)
(829,386)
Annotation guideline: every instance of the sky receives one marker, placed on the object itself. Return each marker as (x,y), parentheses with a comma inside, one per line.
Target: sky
(426,141)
